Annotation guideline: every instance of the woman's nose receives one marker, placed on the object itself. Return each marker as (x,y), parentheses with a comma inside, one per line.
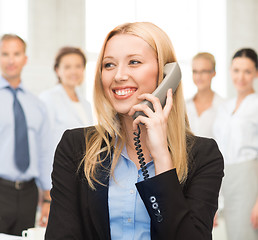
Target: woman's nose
(241,76)
(121,74)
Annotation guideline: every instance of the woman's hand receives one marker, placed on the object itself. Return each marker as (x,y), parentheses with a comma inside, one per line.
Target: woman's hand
(45,208)
(156,127)
(215,220)
(254,215)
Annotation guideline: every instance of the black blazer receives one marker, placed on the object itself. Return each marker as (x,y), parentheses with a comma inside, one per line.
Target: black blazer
(186,210)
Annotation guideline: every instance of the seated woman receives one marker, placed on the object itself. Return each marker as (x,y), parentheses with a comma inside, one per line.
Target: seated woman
(99,190)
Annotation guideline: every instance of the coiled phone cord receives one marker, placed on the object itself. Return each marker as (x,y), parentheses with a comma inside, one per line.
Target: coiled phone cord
(140,154)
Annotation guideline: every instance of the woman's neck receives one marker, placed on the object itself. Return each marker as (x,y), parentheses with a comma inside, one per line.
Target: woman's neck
(71,93)
(127,122)
(203,100)
(204,95)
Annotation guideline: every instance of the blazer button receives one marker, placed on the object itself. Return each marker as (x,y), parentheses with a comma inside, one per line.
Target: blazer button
(152,199)
(155,205)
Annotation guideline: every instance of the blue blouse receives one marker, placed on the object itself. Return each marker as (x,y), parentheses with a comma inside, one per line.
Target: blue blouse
(129,218)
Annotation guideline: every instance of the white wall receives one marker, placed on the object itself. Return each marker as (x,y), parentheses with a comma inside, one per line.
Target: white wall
(55,23)
(52,25)
(242,31)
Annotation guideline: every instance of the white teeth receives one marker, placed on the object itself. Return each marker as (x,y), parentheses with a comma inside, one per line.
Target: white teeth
(123,92)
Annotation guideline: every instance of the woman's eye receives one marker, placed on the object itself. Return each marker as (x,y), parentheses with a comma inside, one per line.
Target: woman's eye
(134,62)
(108,65)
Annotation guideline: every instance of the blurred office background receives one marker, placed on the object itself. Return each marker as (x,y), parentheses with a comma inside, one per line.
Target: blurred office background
(217,26)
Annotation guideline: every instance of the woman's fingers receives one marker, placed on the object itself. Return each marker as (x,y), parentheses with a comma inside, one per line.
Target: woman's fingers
(155,103)
(158,116)
(169,103)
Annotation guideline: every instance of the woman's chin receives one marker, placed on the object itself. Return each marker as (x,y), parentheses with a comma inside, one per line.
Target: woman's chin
(124,114)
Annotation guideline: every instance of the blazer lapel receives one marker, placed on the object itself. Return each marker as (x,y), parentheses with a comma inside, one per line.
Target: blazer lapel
(98,201)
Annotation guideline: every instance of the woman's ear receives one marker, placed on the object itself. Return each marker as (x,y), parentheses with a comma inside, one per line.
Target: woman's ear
(57,72)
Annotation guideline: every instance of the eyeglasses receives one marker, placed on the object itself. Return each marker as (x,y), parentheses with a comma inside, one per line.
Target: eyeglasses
(203,72)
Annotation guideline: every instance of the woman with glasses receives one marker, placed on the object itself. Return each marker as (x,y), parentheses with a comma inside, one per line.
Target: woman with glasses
(202,107)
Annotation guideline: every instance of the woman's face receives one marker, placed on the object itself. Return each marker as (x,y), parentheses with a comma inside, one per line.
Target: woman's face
(202,73)
(129,69)
(243,73)
(71,70)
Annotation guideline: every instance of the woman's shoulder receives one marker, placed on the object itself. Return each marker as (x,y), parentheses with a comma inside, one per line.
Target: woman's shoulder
(77,135)
(203,142)
(82,98)
(72,144)
(218,100)
(196,143)
(51,93)
(190,106)
(189,101)
(226,106)
(253,98)
(204,151)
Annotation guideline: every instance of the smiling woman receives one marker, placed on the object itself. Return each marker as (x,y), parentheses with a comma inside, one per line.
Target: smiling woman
(236,132)
(66,106)
(129,69)
(96,171)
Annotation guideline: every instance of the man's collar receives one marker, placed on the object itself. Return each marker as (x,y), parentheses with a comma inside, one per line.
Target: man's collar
(4,83)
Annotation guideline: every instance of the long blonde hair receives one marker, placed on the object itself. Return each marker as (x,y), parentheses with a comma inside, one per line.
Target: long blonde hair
(109,129)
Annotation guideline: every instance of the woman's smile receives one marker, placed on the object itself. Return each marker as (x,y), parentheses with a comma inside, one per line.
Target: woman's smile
(123,93)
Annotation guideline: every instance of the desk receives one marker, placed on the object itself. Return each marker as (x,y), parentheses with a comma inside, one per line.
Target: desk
(9,237)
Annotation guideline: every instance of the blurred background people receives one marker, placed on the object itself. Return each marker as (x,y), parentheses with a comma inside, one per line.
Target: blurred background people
(202,107)
(25,153)
(66,106)
(236,131)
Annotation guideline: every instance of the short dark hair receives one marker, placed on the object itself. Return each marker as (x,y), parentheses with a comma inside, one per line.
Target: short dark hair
(10,36)
(68,50)
(249,53)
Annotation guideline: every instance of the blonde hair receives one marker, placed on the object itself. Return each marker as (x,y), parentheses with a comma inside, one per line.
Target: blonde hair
(207,56)
(109,125)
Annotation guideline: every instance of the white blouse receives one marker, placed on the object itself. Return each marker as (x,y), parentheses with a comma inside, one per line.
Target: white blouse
(80,110)
(64,113)
(202,125)
(237,133)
